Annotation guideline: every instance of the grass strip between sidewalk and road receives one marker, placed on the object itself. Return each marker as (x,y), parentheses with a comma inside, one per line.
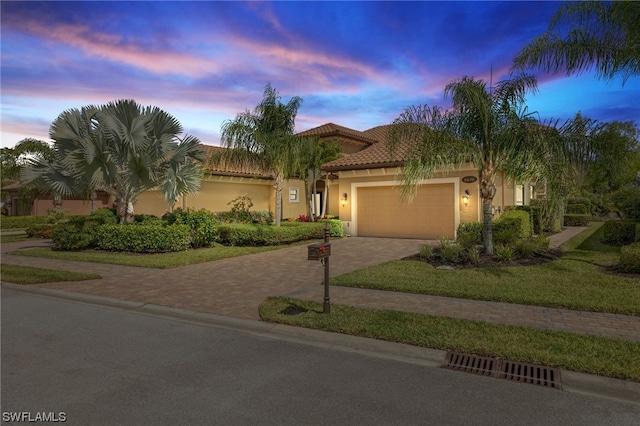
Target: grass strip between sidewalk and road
(577,281)
(28,275)
(588,354)
(147,260)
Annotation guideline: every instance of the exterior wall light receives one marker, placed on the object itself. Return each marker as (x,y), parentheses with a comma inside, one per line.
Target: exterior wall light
(465,197)
(343,200)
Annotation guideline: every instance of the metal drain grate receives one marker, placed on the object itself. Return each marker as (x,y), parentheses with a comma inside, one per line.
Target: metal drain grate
(530,373)
(481,365)
(503,369)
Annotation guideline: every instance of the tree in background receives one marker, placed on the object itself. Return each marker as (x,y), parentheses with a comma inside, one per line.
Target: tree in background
(14,159)
(587,34)
(604,158)
(263,139)
(312,154)
(487,127)
(120,148)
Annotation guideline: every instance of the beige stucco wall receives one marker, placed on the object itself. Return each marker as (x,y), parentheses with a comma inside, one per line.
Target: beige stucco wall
(217,191)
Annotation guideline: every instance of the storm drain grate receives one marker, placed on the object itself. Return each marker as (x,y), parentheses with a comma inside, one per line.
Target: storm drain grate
(510,370)
(530,373)
(481,365)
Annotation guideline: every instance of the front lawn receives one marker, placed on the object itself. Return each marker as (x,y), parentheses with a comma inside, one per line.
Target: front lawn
(27,275)
(577,281)
(149,260)
(587,354)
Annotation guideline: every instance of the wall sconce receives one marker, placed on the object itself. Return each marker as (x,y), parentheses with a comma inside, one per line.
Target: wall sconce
(465,197)
(343,200)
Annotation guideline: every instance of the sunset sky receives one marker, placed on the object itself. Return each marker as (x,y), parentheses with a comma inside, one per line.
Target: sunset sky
(357,64)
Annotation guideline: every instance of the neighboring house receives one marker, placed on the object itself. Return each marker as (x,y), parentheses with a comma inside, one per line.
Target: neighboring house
(362,188)
(42,203)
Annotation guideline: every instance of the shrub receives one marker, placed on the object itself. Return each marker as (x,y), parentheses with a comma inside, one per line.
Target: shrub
(619,233)
(627,200)
(426,252)
(288,232)
(335,225)
(535,214)
(450,252)
(40,230)
(469,234)
(143,238)
(513,221)
(630,258)
(577,209)
(575,219)
(202,223)
(141,218)
(20,222)
(56,216)
(74,236)
(504,253)
(473,254)
(104,216)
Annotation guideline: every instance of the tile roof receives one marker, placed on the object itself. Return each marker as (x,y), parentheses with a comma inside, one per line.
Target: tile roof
(245,170)
(331,129)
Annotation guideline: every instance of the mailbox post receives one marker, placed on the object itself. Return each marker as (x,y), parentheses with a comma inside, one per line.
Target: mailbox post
(321,252)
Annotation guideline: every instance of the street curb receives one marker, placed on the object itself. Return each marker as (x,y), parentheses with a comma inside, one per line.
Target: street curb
(573,382)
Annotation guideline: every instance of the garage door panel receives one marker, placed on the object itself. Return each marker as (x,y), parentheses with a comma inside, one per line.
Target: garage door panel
(382,213)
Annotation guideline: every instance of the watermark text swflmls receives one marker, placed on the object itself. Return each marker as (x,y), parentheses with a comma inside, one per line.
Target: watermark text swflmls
(32,417)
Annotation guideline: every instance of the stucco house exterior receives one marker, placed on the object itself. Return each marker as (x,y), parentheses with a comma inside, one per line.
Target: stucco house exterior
(362,188)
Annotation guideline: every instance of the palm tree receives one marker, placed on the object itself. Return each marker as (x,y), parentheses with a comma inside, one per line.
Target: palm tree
(585,34)
(490,129)
(120,148)
(263,139)
(313,153)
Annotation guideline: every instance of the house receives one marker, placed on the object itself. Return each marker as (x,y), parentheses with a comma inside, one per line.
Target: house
(362,188)
(365,190)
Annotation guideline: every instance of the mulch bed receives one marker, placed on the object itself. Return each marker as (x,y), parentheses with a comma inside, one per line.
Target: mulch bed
(488,261)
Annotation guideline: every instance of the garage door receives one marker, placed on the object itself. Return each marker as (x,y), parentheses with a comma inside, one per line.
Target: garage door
(381,212)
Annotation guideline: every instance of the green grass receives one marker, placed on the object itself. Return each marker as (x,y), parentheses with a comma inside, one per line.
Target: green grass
(588,354)
(154,260)
(576,281)
(15,238)
(28,275)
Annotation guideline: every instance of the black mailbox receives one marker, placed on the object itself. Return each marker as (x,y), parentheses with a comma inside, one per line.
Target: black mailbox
(319,251)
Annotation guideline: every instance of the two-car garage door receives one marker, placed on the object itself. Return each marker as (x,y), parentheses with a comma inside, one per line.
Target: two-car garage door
(431,214)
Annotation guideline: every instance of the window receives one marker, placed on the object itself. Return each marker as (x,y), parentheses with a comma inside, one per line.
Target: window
(294,195)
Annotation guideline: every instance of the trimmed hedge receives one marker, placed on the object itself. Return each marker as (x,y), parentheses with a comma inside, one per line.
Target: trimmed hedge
(19,222)
(577,209)
(237,234)
(77,235)
(630,258)
(105,216)
(143,238)
(511,226)
(263,217)
(202,223)
(619,233)
(576,219)
(40,230)
(535,213)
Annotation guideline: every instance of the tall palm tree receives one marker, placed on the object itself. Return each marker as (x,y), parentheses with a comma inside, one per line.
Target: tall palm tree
(120,148)
(263,139)
(489,128)
(313,153)
(587,34)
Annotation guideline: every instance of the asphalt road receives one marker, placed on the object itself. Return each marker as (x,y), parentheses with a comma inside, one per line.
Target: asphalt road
(94,365)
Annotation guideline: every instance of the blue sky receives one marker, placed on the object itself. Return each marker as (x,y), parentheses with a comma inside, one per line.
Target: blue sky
(357,64)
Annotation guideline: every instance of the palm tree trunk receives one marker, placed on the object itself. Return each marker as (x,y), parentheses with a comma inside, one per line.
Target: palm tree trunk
(278,184)
(487,225)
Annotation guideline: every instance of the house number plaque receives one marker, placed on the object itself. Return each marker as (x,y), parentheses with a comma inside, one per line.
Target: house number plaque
(469,179)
